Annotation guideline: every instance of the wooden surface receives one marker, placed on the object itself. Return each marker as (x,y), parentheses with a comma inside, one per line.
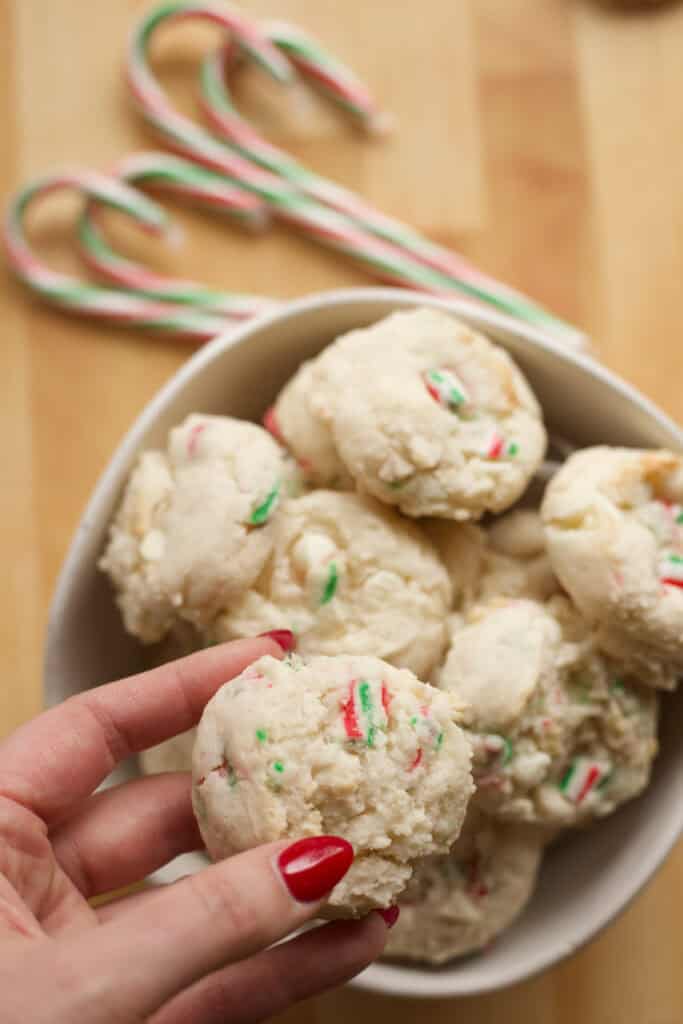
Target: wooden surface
(543,138)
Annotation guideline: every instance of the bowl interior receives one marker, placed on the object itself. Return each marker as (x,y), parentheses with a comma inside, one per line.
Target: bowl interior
(590,876)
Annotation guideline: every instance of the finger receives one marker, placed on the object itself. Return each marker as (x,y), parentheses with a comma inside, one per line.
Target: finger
(269,982)
(225,913)
(120,835)
(123,904)
(58,759)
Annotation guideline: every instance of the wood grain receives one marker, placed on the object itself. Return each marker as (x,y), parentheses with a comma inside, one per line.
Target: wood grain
(543,138)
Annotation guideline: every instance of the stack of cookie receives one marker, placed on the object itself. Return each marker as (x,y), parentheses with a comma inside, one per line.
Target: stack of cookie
(396,506)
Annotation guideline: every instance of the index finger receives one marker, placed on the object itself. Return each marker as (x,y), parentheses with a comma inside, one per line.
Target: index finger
(60,757)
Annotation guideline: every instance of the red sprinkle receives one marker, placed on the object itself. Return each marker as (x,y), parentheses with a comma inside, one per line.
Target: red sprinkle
(270,422)
(496,447)
(192,440)
(433,392)
(418,759)
(670,582)
(350,718)
(591,779)
(386,699)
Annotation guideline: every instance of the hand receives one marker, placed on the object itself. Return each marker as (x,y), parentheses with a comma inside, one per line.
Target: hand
(194,951)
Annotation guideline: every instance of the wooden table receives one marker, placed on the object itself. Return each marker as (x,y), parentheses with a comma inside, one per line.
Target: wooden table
(543,138)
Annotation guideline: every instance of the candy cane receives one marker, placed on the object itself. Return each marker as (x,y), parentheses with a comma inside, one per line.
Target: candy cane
(309,57)
(581,777)
(387,261)
(201,186)
(81,297)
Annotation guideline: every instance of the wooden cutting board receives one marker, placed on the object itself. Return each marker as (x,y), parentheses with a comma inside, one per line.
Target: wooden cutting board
(542,138)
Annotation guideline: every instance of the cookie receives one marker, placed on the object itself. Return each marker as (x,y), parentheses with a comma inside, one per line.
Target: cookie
(300,420)
(506,560)
(193,530)
(348,746)
(559,735)
(457,903)
(613,520)
(348,576)
(432,417)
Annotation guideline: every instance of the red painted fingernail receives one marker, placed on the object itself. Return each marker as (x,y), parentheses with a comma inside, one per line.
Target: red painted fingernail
(312,867)
(284,638)
(390,915)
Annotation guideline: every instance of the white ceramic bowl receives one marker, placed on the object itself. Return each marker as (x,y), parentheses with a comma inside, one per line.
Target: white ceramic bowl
(591,876)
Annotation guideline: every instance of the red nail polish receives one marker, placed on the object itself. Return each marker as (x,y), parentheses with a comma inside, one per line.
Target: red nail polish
(390,915)
(312,867)
(284,638)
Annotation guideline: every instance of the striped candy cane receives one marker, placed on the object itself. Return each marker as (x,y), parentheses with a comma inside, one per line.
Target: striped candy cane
(187,180)
(81,297)
(408,261)
(340,83)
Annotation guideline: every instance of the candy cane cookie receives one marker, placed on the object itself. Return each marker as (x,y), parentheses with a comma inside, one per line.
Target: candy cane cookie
(194,528)
(348,745)
(559,735)
(614,529)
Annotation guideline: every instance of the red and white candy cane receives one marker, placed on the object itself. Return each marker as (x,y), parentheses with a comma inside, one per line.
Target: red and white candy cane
(340,84)
(81,297)
(187,180)
(392,251)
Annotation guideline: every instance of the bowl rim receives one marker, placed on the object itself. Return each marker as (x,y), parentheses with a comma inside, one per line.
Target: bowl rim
(396,979)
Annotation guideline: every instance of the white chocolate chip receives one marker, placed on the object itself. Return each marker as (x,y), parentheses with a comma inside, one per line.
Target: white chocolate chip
(153,546)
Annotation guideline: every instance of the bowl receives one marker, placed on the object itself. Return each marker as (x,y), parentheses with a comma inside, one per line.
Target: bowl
(587,879)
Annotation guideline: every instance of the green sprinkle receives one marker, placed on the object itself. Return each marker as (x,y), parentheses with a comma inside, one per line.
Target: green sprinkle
(566,778)
(617,686)
(507,750)
(676,559)
(679,518)
(455,397)
(413,721)
(365,697)
(439,741)
(261,735)
(435,376)
(395,485)
(278,767)
(330,585)
(261,513)
(513,449)
(232,777)
(606,781)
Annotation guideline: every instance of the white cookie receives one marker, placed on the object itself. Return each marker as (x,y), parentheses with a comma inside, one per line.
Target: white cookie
(348,576)
(193,532)
(457,903)
(614,527)
(507,560)
(347,746)
(559,737)
(300,419)
(430,416)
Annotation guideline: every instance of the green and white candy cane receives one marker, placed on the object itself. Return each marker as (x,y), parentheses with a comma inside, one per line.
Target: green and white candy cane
(68,292)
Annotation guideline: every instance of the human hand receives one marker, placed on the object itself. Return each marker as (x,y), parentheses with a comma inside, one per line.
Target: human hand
(194,951)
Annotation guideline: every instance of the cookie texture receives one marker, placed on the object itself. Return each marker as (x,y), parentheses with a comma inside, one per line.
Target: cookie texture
(508,559)
(348,746)
(348,576)
(560,736)
(432,417)
(613,520)
(457,903)
(194,527)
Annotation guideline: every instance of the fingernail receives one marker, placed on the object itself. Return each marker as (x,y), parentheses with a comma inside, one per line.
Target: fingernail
(312,867)
(389,915)
(284,638)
